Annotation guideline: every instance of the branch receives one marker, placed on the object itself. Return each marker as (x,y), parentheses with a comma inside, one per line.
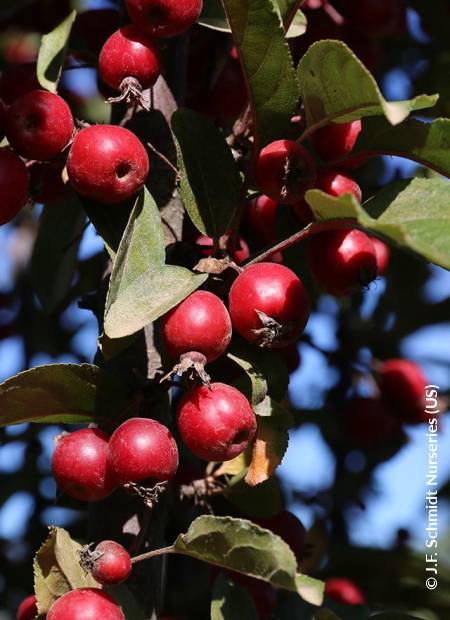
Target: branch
(304,233)
(152,554)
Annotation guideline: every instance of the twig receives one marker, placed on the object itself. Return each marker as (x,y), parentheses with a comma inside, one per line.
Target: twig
(163,158)
(304,233)
(152,554)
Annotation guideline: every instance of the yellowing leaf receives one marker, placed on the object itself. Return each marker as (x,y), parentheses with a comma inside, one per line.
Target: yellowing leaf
(268,450)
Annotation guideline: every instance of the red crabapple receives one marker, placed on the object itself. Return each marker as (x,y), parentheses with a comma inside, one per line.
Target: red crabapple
(85,604)
(288,527)
(199,324)
(268,305)
(344,591)
(164,18)
(342,261)
(39,125)
(129,61)
(111,563)
(140,449)
(14,185)
(370,420)
(107,163)
(383,253)
(284,171)
(240,254)
(27,608)
(79,465)
(336,139)
(403,383)
(216,423)
(336,184)
(333,183)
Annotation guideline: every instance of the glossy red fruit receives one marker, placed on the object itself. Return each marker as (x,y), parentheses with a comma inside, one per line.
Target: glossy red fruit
(383,253)
(216,423)
(85,604)
(107,163)
(141,448)
(336,140)
(200,323)
(39,125)
(129,53)
(14,185)
(403,383)
(284,171)
(376,18)
(344,591)
(27,609)
(79,465)
(370,420)
(164,18)
(111,563)
(342,261)
(289,528)
(336,184)
(269,305)
(17,81)
(330,182)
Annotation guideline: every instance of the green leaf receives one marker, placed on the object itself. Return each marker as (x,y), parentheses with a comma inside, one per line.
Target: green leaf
(109,221)
(413,213)
(210,182)
(230,601)
(262,501)
(298,26)
(57,569)
(336,86)
(54,260)
(142,287)
(267,64)
(213,16)
(267,372)
(426,143)
(269,448)
(65,393)
(52,53)
(242,546)
(270,408)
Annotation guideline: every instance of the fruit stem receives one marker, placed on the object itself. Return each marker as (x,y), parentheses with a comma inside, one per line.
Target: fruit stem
(308,231)
(152,554)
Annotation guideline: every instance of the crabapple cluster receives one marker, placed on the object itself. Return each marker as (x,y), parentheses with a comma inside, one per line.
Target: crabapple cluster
(107,164)
(341,261)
